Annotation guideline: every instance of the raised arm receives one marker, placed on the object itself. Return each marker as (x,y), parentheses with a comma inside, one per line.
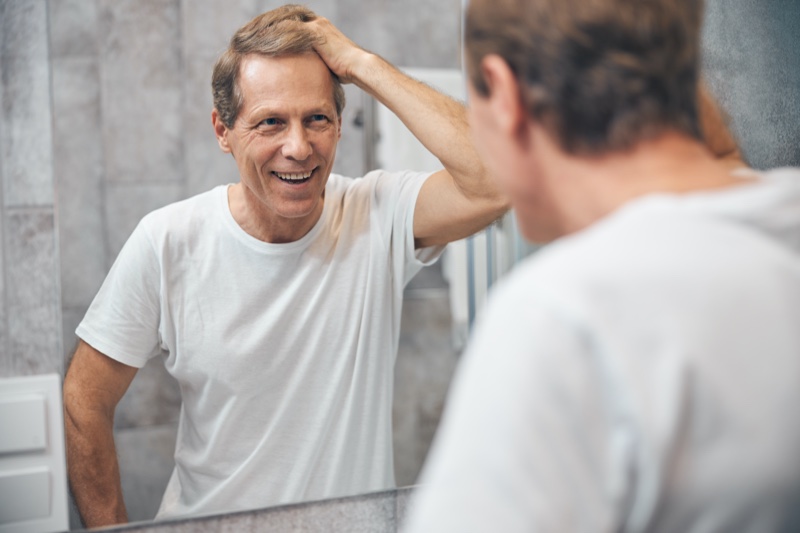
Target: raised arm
(92,388)
(455,202)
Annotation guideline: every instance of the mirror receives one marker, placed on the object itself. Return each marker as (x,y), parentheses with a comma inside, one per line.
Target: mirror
(132,132)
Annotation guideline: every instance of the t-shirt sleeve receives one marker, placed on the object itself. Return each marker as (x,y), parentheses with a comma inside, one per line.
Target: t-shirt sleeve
(123,320)
(522,444)
(395,196)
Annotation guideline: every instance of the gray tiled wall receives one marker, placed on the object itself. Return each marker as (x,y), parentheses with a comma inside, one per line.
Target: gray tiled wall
(752,65)
(30,314)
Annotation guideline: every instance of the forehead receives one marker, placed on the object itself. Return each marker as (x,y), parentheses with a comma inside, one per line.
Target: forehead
(298,80)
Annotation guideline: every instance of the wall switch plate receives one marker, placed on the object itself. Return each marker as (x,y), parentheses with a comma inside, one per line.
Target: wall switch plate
(33,470)
(24,424)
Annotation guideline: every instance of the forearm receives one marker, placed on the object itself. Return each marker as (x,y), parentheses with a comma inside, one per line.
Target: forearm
(436,120)
(93,467)
(453,203)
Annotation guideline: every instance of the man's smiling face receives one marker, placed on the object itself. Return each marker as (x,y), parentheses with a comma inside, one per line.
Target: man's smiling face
(284,138)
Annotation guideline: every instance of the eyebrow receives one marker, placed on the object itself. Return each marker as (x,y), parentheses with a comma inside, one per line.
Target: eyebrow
(266,112)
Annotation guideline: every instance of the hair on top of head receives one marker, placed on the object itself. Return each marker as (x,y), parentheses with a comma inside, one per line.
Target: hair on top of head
(277,32)
(598,75)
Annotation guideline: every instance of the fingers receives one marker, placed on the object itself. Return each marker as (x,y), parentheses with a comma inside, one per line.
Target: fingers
(336,50)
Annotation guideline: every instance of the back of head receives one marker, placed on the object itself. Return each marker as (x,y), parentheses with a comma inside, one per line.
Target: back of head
(599,75)
(279,32)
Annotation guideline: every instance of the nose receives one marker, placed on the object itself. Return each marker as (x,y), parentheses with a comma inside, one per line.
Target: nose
(296,145)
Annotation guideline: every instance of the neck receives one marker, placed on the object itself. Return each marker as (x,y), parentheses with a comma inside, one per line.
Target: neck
(265,225)
(586,189)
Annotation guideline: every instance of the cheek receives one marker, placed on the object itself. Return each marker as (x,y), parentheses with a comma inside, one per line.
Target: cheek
(326,143)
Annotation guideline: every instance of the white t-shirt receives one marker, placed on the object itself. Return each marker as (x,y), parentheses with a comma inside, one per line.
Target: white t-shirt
(640,375)
(284,352)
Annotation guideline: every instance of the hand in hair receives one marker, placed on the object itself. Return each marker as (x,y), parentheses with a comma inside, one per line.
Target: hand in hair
(342,55)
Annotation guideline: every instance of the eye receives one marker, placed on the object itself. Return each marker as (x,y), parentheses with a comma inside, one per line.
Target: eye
(270,122)
(318,118)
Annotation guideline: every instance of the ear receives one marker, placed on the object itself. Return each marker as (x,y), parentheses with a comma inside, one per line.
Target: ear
(504,98)
(221,131)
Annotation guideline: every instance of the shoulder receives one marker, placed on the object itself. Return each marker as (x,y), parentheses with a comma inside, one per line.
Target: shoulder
(188,215)
(377,177)
(378,185)
(619,258)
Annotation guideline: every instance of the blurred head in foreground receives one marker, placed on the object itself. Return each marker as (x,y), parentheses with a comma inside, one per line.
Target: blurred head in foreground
(596,76)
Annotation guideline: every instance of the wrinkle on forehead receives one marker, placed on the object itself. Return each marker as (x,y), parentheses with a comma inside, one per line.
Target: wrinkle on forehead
(286,80)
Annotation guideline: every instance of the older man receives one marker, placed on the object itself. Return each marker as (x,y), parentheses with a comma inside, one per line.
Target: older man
(642,372)
(276,299)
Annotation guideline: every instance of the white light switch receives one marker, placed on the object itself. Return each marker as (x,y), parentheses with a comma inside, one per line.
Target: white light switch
(23,421)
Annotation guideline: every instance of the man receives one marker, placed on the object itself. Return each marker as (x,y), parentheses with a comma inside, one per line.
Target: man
(641,372)
(276,299)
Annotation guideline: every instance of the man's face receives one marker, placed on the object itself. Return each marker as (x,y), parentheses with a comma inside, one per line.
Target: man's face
(284,138)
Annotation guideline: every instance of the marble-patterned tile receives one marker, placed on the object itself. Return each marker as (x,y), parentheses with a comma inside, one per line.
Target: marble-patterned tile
(365,23)
(32,299)
(78,169)
(141,72)
(430,277)
(125,205)
(421,33)
(31,260)
(717,43)
(208,25)
(23,29)
(34,341)
(145,463)
(25,150)
(750,64)
(73,28)
(786,150)
(426,360)
(324,8)
(153,398)
(70,318)
(205,163)
(350,159)
(25,139)
(5,366)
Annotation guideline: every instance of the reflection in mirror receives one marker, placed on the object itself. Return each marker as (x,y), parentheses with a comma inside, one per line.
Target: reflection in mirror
(131,107)
(121,88)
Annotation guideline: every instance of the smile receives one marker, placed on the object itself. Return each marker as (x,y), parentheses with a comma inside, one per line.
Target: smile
(293,177)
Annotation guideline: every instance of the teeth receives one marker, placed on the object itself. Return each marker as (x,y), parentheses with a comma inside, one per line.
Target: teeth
(292,177)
